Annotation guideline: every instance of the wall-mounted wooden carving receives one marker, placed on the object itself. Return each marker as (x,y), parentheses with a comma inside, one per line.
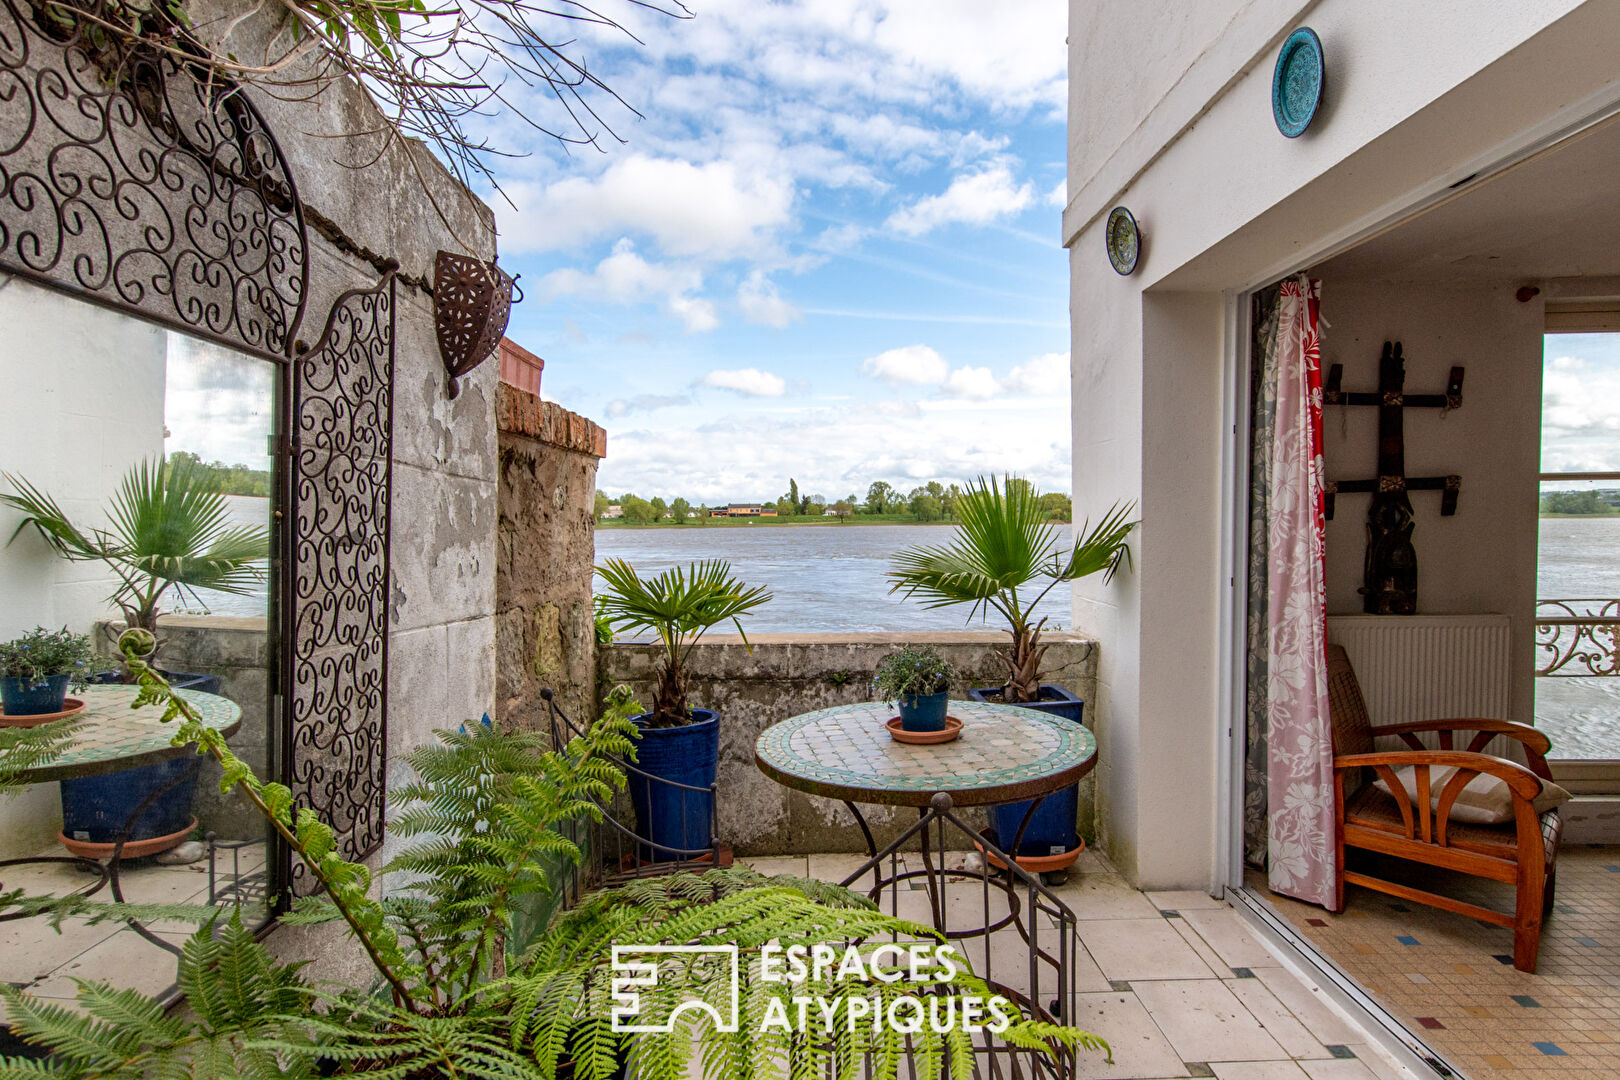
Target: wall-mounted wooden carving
(472,302)
(1390,574)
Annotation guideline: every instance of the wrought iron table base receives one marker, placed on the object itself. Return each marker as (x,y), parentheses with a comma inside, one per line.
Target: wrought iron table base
(931,830)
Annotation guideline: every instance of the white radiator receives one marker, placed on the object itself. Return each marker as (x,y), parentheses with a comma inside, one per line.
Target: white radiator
(1428,667)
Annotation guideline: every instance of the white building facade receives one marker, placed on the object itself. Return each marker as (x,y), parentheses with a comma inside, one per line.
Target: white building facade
(1457,162)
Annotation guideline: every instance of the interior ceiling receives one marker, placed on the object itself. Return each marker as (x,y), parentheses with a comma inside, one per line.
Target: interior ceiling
(1556,215)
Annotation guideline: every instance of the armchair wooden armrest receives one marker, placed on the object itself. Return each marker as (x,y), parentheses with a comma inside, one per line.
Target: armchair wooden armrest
(1535,742)
(1524,784)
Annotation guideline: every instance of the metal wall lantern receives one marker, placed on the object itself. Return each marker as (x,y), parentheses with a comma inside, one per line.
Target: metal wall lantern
(472,302)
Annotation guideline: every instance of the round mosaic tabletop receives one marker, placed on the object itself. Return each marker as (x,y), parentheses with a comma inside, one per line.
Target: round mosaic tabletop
(1005,753)
(111,736)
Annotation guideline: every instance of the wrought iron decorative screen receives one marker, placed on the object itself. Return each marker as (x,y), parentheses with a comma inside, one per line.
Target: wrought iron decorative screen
(337,605)
(134,181)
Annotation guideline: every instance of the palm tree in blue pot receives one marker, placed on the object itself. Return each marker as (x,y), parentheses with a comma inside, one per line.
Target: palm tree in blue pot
(1005,544)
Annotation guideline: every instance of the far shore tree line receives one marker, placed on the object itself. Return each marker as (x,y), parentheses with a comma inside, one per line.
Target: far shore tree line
(1580,502)
(230,479)
(931,502)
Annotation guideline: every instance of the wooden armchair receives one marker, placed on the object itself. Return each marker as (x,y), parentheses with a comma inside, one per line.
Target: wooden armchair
(1520,852)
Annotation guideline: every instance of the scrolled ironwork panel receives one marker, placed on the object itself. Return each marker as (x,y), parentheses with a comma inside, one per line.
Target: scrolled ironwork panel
(337,642)
(1578,638)
(136,180)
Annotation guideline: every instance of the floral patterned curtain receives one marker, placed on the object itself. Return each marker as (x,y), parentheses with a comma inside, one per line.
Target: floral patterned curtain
(1297,741)
(1262,424)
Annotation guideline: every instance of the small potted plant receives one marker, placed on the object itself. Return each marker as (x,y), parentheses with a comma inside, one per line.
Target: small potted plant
(677,744)
(36,669)
(918,680)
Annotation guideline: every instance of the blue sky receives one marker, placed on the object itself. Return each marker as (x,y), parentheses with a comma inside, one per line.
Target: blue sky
(1580,405)
(828,250)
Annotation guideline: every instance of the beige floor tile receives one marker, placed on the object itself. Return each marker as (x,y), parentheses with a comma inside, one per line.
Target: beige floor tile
(1140,1049)
(1310,1006)
(1105,896)
(30,949)
(1182,899)
(1274,1016)
(1200,946)
(125,960)
(1204,1021)
(1257,1070)
(1229,936)
(1381,1066)
(770,865)
(1132,949)
(1337,1069)
(835,867)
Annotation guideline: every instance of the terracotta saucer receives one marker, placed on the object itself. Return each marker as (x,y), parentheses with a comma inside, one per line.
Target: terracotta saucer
(1035,864)
(70,707)
(952,729)
(135,849)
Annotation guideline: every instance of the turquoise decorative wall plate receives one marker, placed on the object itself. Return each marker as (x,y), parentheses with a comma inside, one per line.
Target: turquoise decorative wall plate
(1124,240)
(1296,84)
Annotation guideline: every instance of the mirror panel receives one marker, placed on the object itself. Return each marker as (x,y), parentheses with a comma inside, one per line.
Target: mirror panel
(97,403)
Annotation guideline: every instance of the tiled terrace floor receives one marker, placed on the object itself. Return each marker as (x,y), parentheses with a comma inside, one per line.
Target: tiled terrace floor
(37,958)
(1179,988)
(1452,979)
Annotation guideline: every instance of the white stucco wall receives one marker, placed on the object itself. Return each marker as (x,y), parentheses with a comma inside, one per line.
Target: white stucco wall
(93,384)
(1483,558)
(1226,204)
(84,398)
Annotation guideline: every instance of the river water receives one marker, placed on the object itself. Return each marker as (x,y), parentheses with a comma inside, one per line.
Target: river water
(823,578)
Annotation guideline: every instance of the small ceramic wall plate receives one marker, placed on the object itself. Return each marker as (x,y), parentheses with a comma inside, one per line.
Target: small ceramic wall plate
(1296,84)
(1124,240)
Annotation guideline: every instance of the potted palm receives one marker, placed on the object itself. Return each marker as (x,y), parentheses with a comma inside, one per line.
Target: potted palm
(677,744)
(918,681)
(1004,545)
(35,670)
(168,528)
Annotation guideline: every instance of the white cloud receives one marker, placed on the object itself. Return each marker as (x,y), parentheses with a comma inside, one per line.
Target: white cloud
(972,382)
(624,277)
(1059,195)
(910,365)
(761,303)
(841,448)
(1045,375)
(716,209)
(974,199)
(749,382)
(645,403)
(698,315)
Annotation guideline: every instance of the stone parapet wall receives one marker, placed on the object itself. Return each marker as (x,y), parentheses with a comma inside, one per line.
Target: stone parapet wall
(546,545)
(788,674)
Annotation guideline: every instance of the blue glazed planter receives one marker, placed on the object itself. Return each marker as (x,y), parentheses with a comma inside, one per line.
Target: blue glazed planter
(96,808)
(923,712)
(1052,829)
(669,816)
(27,697)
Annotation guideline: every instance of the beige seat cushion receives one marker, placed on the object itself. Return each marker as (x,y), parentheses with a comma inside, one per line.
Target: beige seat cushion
(1484,800)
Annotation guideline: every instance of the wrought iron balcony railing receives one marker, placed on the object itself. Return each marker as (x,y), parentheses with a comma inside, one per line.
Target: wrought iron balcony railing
(1577,637)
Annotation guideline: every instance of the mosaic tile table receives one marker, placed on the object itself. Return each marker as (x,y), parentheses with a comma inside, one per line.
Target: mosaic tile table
(1004,754)
(111,737)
